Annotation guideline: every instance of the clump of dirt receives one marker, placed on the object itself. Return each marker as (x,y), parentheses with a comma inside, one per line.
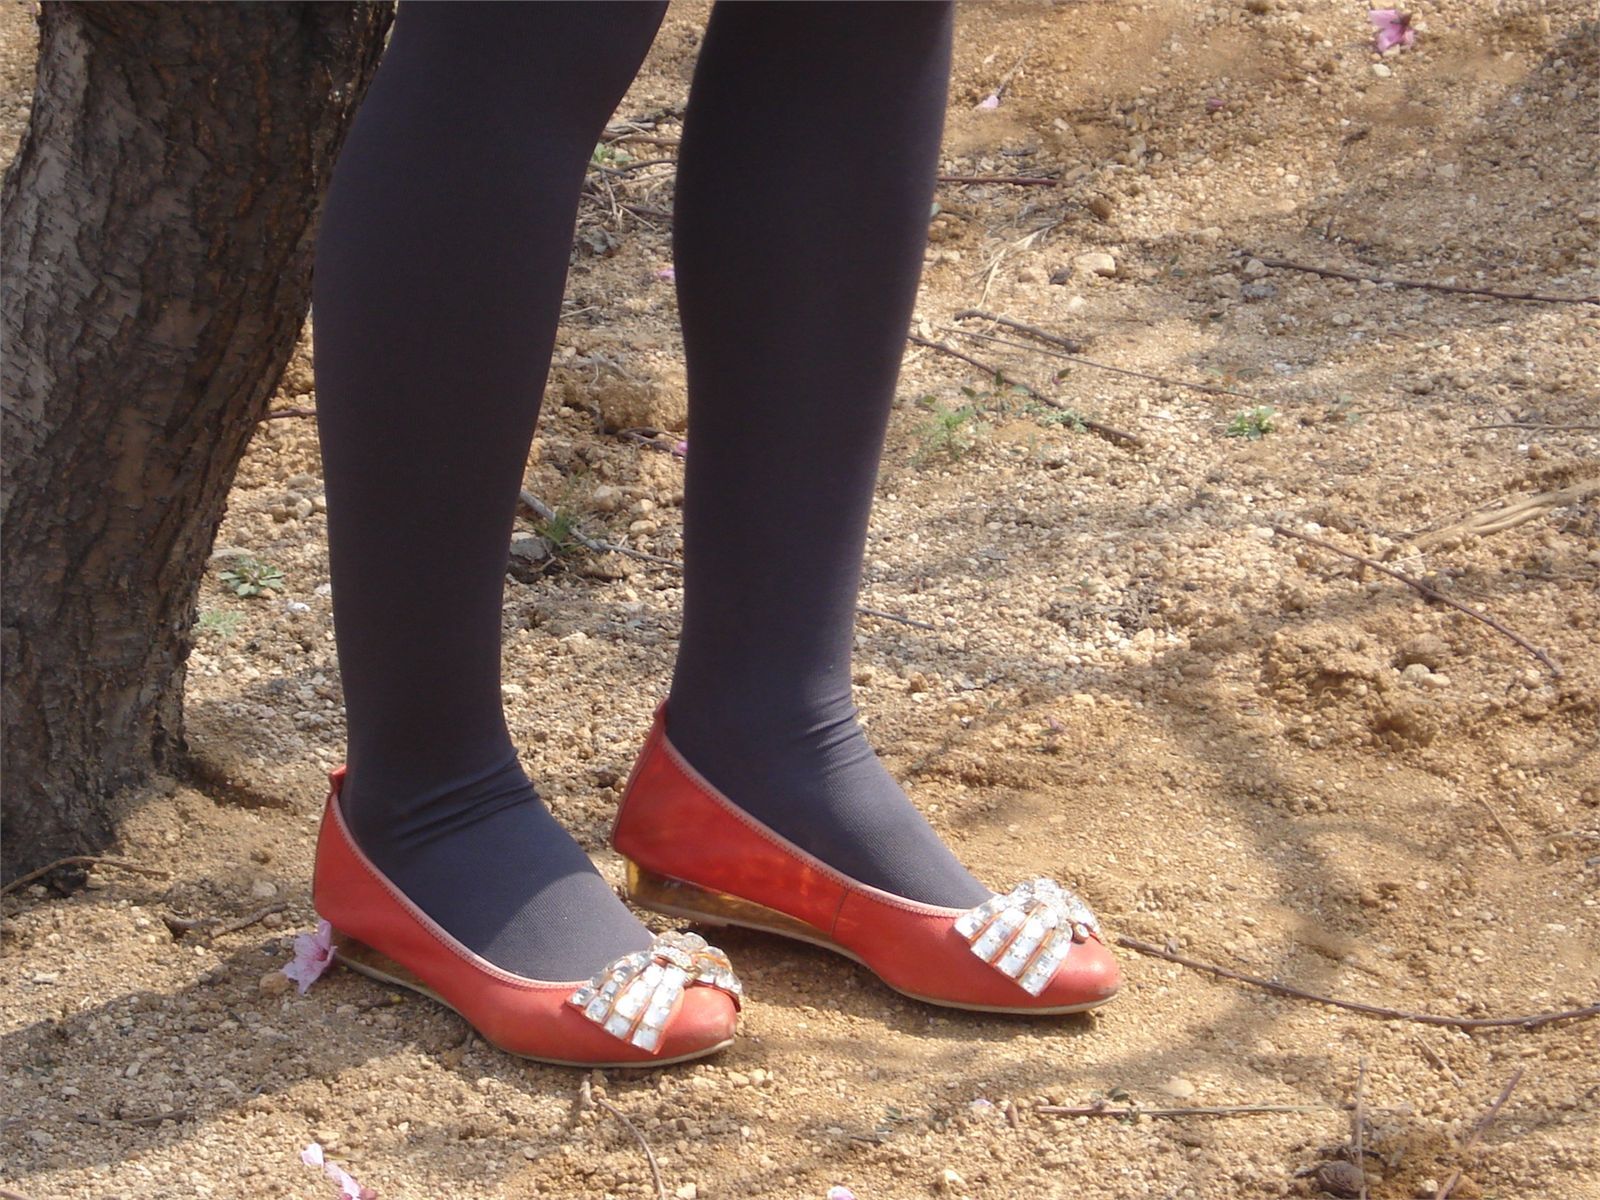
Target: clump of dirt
(1236,745)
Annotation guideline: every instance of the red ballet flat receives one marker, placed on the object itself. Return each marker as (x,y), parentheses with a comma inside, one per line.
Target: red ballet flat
(693,853)
(675,1001)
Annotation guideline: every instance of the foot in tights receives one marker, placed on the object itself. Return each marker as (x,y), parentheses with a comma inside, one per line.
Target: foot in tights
(805,177)
(440,264)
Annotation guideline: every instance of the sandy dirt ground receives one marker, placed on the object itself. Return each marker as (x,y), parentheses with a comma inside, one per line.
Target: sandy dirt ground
(1238,746)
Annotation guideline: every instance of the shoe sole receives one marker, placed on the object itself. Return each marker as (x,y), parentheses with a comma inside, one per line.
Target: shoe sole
(688,901)
(362,958)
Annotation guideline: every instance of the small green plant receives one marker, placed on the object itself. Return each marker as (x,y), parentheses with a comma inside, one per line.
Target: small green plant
(1046,415)
(947,431)
(252,577)
(1254,423)
(609,156)
(221,623)
(1000,396)
(560,529)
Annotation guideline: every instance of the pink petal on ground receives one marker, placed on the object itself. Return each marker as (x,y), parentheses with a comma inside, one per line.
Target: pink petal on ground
(1393,28)
(681,450)
(349,1189)
(313,954)
(840,1193)
(992,100)
(668,273)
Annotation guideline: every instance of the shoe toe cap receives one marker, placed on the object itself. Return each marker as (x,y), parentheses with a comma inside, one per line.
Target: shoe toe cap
(707,1019)
(1090,975)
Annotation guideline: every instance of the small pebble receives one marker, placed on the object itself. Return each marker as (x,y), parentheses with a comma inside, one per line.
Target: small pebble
(1178,1088)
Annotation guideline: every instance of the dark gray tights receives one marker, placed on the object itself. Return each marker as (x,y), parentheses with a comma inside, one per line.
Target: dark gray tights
(806,172)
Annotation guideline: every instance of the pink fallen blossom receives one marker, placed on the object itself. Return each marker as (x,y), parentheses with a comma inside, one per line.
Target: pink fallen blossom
(992,100)
(667,273)
(1393,28)
(681,450)
(349,1189)
(313,954)
(837,1192)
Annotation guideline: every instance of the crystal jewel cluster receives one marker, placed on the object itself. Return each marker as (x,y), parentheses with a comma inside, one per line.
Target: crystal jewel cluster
(1028,932)
(636,996)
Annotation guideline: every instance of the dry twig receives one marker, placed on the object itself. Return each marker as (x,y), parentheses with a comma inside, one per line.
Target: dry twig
(1433,1056)
(1430,592)
(180,1114)
(1457,289)
(1531,1021)
(73,860)
(1494,815)
(649,1154)
(1537,425)
(1105,431)
(545,513)
(245,922)
(1520,511)
(1482,1124)
(1221,1110)
(1014,180)
(889,616)
(1210,389)
(1044,335)
(8,1194)
(1358,1122)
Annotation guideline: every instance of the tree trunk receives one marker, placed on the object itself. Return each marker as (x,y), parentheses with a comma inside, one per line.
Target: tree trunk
(158,225)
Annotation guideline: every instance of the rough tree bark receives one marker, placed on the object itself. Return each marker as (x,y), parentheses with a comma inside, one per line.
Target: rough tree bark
(158,225)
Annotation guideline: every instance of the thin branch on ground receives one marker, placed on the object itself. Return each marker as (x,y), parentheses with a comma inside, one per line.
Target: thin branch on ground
(1494,815)
(1432,1056)
(649,1154)
(77,860)
(1537,425)
(1221,1110)
(1430,592)
(1013,180)
(1482,1124)
(1531,1021)
(1005,80)
(245,922)
(1210,389)
(279,413)
(1485,521)
(643,139)
(1105,431)
(215,927)
(1425,285)
(640,165)
(147,1119)
(8,1194)
(545,513)
(889,616)
(1044,335)
(1358,1122)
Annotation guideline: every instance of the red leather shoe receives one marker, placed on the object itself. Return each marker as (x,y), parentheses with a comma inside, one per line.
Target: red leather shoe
(692,853)
(678,1000)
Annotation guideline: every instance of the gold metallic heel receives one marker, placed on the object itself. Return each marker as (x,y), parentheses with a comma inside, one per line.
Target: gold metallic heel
(675,898)
(359,956)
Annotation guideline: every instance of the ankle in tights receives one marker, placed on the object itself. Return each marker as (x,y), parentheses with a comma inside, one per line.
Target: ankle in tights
(806,172)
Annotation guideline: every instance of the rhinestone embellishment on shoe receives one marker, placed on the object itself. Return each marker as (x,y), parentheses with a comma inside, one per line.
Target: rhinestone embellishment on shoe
(636,996)
(1027,933)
